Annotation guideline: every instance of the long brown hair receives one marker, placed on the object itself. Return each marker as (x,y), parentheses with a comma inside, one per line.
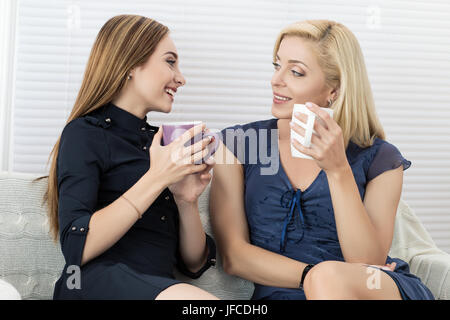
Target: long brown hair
(123,43)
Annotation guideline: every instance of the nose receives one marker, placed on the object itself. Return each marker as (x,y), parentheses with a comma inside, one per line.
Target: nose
(180,80)
(277,79)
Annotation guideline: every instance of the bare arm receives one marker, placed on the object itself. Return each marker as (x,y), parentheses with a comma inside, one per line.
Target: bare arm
(192,236)
(228,220)
(381,202)
(365,230)
(193,247)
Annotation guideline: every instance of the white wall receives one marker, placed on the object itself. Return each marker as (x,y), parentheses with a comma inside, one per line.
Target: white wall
(225,52)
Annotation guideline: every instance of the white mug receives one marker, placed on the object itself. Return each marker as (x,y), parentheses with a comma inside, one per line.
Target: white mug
(306,140)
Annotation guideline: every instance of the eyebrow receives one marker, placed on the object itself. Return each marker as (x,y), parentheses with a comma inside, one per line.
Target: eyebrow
(295,61)
(172,53)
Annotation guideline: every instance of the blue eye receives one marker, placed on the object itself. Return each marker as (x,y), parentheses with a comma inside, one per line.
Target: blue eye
(171,62)
(297,74)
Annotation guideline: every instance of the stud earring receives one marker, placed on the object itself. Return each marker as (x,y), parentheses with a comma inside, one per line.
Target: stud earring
(129,77)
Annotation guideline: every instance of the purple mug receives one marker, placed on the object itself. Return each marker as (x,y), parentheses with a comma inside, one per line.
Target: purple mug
(174,130)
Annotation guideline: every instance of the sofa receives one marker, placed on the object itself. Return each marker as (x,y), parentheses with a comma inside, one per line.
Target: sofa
(31,263)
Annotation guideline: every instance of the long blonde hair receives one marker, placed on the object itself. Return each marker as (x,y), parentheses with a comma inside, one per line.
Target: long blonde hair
(123,43)
(342,62)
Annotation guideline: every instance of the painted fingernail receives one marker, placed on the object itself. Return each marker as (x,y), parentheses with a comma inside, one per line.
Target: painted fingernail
(308,104)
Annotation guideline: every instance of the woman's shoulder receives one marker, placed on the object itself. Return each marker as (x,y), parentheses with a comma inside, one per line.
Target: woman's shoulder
(90,124)
(356,151)
(386,157)
(243,139)
(381,147)
(248,133)
(84,134)
(82,142)
(382,155)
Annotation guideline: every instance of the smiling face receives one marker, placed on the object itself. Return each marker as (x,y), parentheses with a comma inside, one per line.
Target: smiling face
(298,77)
(155,82)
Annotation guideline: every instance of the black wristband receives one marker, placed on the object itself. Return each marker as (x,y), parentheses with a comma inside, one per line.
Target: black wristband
(305,271)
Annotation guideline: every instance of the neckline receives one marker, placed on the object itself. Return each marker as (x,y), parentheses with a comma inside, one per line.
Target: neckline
(283,171)
(124,119)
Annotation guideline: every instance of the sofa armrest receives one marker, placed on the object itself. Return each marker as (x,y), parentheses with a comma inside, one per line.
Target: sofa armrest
(434,271)
(8,292)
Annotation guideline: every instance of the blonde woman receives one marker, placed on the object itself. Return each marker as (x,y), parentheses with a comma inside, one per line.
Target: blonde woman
(124,207)
(320,228)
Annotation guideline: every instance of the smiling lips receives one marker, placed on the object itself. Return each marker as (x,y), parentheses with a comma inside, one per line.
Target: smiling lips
(171,92)
(279,99)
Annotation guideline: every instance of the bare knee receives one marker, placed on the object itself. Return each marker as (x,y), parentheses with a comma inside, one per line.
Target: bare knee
(326,280)
(184,291)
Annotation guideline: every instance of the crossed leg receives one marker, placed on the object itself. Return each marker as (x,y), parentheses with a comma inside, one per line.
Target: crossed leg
(184,291)
(330,280)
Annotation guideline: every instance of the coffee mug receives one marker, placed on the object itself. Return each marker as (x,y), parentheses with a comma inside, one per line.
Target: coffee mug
(306,140)
(173,130)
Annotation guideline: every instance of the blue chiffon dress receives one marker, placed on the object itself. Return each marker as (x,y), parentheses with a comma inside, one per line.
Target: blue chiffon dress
(301,224)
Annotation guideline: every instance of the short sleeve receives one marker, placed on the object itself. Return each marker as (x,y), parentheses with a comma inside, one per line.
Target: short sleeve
(210,260)
(80,163)
(387,157)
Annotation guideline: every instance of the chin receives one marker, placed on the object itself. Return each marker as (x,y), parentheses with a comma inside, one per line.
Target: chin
(167,109)
(281,112)
(163,108)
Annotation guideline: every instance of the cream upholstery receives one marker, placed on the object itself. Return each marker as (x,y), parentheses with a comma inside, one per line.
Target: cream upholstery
(32,263)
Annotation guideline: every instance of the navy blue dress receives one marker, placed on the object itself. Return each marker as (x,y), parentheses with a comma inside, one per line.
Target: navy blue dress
(301,225)
(101,156)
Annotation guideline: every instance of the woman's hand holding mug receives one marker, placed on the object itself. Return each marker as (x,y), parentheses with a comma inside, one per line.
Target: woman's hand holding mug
(177,164)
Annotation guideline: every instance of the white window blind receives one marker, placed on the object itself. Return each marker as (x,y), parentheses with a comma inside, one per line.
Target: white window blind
(225,52)
(7,37)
